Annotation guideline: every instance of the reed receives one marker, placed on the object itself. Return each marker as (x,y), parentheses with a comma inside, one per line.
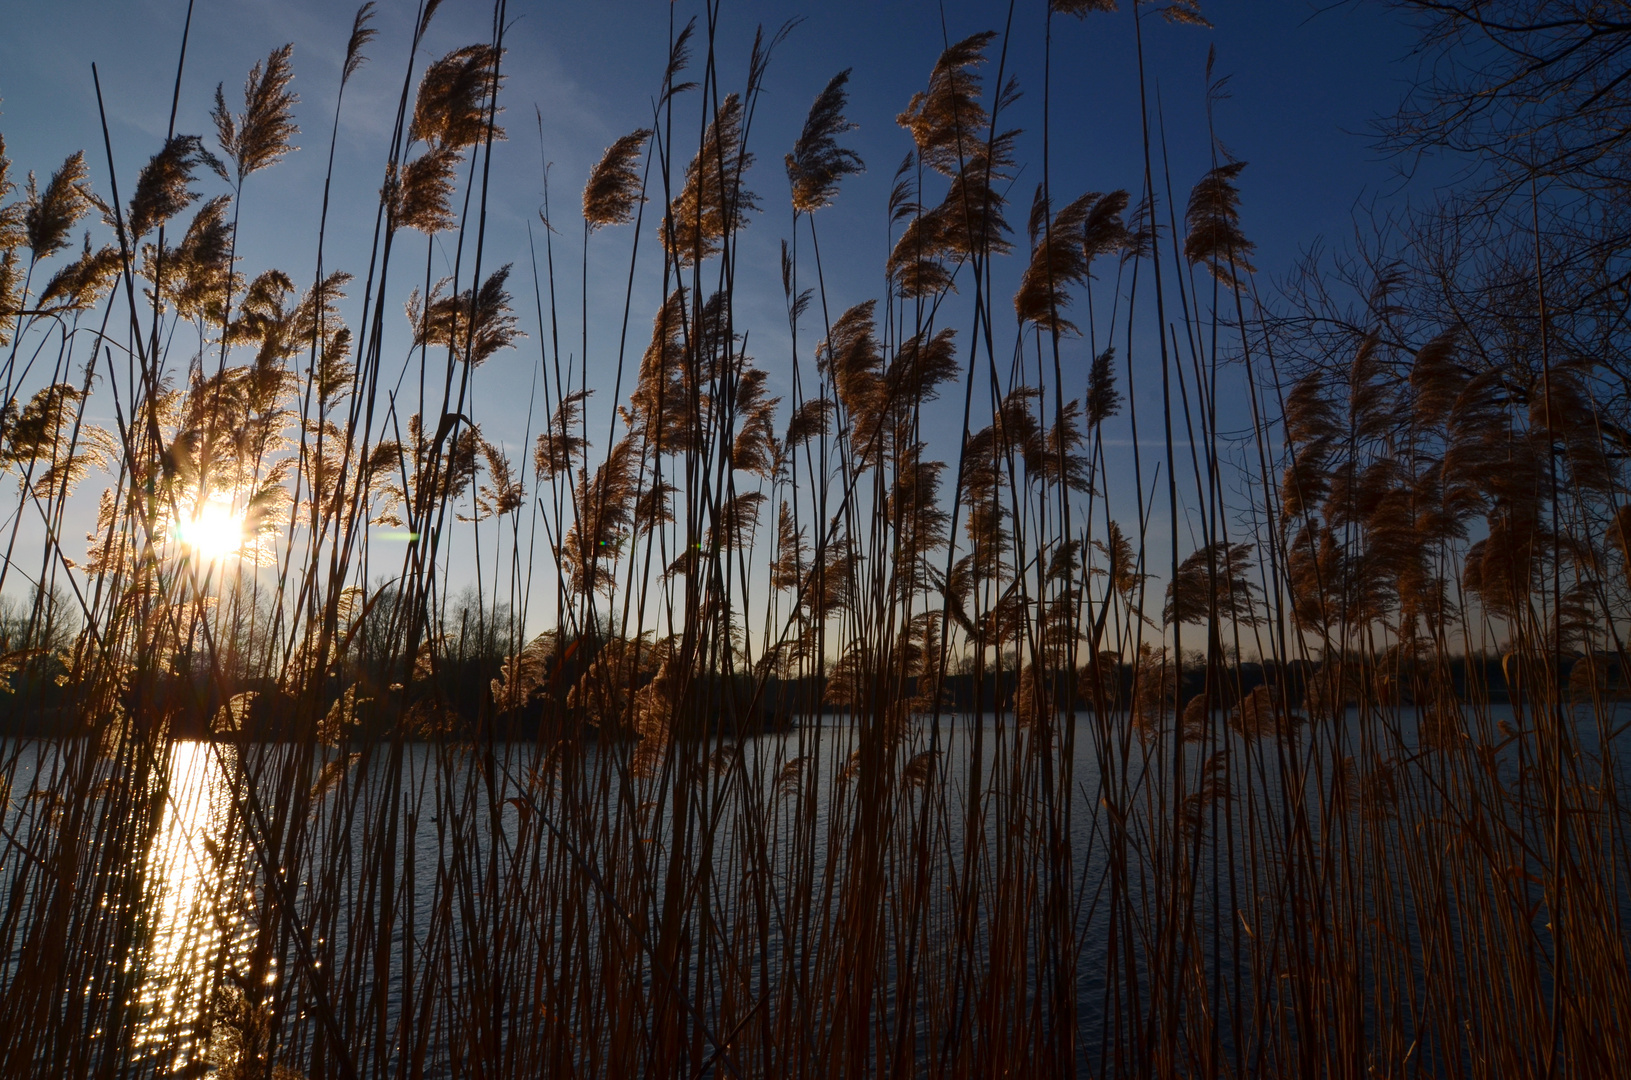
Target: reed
(841,747)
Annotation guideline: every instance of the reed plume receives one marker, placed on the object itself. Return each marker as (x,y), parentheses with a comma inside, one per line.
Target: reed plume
(1212,222)
(818,164)
(787,569)
(1105,232)
(13,216)
(1213,582)
(38,443)
(11,294)
(362,33)
(915,373)
(1311,433)
(947,118)
(420,194)
(559,448)
(852,355)
(971,218)
(81,284)
(50,217)
(967,222)
(679,58)
(473,325)
(259,136)
(613,189)
(196,275)
(755,449)
(503,493)
(1103,400)
(811,420)
(1437,379)
(450,111)
(1183,12)
(916,264)
(713,203)
(1259,715)
(1062,251)
(162,186)
(605,505)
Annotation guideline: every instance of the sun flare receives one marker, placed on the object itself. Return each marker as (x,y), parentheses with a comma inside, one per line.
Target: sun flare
(214,531)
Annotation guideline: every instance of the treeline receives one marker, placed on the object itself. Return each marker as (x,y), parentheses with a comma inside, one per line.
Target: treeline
(472,688)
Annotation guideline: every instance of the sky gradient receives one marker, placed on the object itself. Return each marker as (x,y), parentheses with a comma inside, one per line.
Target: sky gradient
(1303,85)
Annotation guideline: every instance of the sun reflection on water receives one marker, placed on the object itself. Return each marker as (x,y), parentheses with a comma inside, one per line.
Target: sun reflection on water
(190,920)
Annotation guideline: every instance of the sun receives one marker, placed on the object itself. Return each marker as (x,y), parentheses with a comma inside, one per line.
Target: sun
(214,531)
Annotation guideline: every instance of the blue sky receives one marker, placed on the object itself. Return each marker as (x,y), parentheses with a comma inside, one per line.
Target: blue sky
(1304,83)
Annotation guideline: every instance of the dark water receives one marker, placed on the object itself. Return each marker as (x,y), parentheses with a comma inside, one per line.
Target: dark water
(200,886)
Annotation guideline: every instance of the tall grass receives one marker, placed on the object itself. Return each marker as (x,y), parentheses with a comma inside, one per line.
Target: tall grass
(837,757)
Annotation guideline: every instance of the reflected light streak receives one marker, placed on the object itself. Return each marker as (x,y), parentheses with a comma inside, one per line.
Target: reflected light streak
(189,922)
